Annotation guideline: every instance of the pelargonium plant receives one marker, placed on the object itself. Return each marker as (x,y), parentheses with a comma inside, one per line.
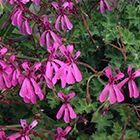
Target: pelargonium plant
(66,66)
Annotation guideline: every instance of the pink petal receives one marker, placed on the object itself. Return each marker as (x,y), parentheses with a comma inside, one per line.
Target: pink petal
(67,130)
(42,39)
(37,89)
(60,112)
(31,91)
(71,112)
(2,85)
(23,123)
(49,70)
(119,76)
(102,9)
(66,116)
(136,73)
(70,49)
(108,5)
(28,28)
(25,66)
(135,90)
(70,95)
(76,72)
(57,23)
(103,94)
(23,90)
(129,71)
(55,38)
(61,95)
(55,5)
(112,95)
(108,72)
(77,54)
(70,79)
(119,95)
(59,130)
(131,94)
(48,40)
(68,23)
(3,51)
(121,84)
(7,80)
(33,124)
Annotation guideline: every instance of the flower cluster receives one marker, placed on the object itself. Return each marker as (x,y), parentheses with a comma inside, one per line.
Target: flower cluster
(114,88)
(61,64)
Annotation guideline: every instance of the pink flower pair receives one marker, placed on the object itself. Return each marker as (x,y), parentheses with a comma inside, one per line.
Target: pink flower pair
(62,133)
(66,107)
(30,87)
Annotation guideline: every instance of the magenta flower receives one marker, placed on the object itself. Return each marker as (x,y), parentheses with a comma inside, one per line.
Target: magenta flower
(26,129)
(115,93)
(20,21)
(62,133)
(66,24)
(24,134)
(30,88)
(48,35)
(102,6)
(133,89)
(69,72)
(66,107)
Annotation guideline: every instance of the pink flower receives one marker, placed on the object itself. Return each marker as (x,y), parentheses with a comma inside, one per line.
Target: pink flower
(133,89)
(48,35)
(24,134)
(26,129)
(66,24)
(61,133)
(20,21)
(115,93)
(66,107)
(30,87)
(102,6)
(69,72)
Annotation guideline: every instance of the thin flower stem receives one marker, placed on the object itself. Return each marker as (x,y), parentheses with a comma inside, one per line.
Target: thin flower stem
(87,66)
(88,96)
